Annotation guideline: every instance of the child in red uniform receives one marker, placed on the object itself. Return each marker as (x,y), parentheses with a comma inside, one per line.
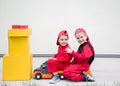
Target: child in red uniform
(60,60)
(82,58)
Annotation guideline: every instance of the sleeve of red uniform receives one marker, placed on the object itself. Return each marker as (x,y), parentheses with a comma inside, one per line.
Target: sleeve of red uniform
(84,55)
(64,58)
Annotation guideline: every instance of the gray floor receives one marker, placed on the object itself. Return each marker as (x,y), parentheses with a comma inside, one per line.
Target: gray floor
(106,72)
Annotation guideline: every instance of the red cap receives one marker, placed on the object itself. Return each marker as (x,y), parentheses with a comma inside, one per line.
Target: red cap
(19,26)
(61,33)
(79,30)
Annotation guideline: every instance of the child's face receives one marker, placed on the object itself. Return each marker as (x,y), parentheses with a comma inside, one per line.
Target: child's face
(63,40)
(81,37)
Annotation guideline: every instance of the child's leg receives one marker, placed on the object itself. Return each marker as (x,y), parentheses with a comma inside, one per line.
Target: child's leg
(73,73)
(52,65)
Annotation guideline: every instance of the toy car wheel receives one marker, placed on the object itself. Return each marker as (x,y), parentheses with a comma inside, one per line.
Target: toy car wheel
(38,76)
(61,77)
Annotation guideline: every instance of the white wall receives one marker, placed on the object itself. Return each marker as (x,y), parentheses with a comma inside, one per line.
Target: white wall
(46,18)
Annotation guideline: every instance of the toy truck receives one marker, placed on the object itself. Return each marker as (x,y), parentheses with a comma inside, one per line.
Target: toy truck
(42,73)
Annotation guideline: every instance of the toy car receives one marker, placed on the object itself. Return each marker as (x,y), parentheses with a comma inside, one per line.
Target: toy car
(42,73)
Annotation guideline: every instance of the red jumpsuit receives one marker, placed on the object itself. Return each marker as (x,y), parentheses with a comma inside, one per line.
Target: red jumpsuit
(82,60)
(62,60)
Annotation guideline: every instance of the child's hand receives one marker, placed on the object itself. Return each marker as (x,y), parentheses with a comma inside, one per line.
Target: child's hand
(68,50)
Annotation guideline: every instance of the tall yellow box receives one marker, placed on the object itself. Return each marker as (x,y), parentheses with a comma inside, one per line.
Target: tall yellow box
(17,64)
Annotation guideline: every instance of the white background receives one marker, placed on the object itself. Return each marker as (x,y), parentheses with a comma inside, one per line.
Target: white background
(100,18)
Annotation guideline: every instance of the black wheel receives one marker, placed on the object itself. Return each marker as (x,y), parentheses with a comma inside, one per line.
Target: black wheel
(61,77)
(38,76)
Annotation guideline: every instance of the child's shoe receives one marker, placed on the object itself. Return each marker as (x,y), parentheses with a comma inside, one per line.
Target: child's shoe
(54,79)
(87,77)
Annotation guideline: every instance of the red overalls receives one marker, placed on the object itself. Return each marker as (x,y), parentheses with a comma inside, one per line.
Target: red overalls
(82,60)
(62,60)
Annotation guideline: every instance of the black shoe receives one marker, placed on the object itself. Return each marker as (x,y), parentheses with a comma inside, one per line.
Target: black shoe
(87,77)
